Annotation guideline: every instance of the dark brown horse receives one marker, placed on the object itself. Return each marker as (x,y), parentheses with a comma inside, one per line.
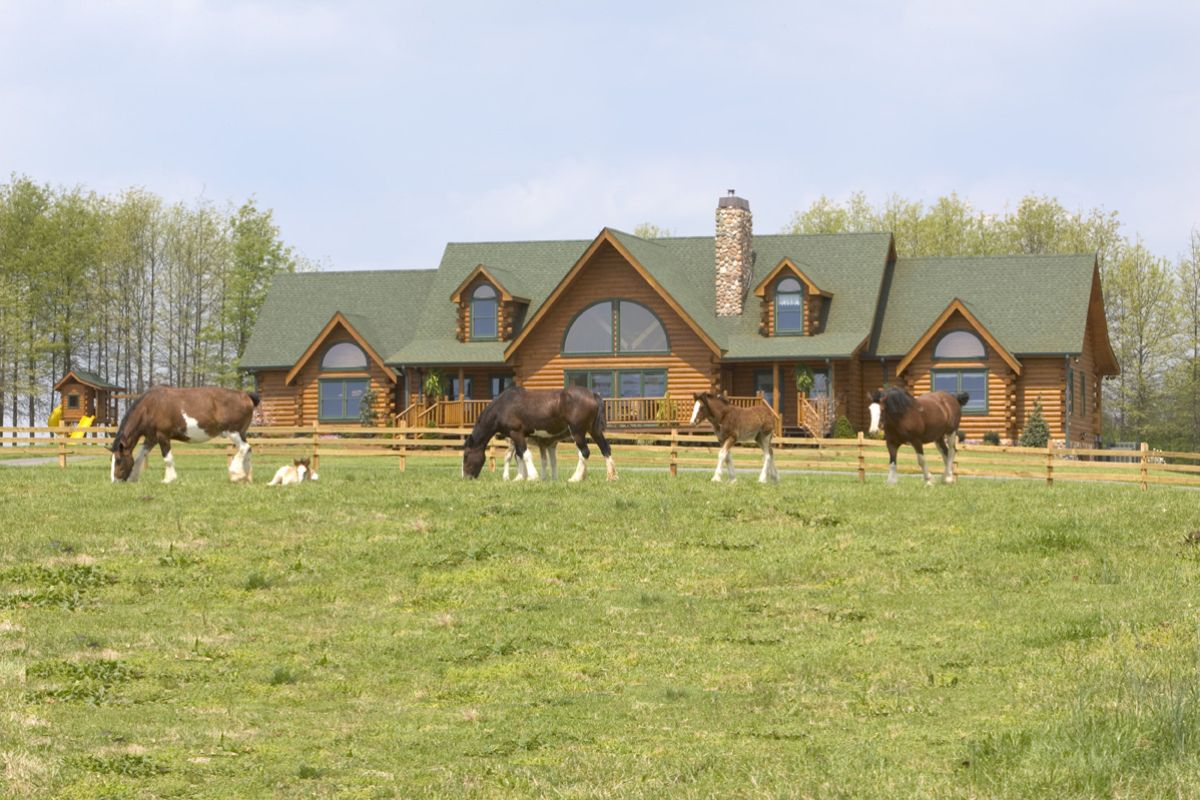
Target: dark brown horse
(932,417)
(733,425)
(520,414)
(165,414)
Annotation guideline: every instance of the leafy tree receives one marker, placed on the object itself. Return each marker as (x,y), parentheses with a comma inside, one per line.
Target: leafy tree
(648,230)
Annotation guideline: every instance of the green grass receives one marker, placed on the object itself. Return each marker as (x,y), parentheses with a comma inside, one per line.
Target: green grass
(386,634)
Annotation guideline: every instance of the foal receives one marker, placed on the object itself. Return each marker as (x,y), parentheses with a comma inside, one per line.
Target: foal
(547,447)
(733,425)
(932,417)
(299,470)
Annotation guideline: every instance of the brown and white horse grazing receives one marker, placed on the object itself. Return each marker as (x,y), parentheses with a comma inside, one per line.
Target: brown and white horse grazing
(734,425)
(165,414)
(520,414)
(547,447)
(298,471)
(932,417)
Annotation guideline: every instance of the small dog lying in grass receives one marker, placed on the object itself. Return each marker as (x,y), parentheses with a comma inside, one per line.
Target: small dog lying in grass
(299,470)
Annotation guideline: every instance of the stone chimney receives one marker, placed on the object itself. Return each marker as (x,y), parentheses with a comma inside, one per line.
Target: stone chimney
(735,258)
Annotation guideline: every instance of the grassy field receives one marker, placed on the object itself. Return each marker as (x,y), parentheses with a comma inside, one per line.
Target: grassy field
(380,634)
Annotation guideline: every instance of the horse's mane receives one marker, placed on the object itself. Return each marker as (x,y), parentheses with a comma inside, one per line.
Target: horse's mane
(485,426)
(125,420)
(897,401)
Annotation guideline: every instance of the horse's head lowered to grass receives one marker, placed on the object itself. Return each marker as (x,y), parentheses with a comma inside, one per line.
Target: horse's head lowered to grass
(474,454)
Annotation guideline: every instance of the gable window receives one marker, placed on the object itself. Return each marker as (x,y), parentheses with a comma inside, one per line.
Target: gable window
(483,313)
(972,381)
(959,346)
(615,326)
(789,306)
(341,398)
(344,355)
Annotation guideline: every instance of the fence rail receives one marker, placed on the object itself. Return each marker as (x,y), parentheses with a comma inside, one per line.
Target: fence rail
(672,449)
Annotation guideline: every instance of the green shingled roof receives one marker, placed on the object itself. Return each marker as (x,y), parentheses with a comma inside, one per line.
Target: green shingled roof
(408,317)
(1031,304)
(380,304)
(94,379)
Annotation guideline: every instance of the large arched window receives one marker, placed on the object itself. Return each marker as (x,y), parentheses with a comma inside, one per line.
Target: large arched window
(959,346)
(483,313)
(344,355)
(789,306)
(615,326)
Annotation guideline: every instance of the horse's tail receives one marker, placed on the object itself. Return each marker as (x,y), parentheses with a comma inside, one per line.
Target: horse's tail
(601,421)
(962,398)
(254,398)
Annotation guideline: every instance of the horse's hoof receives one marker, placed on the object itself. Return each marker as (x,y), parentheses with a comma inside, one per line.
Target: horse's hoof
(716,480)
(928,484)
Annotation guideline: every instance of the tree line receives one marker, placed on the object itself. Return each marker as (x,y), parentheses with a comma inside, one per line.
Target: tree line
(1152,300)
(133,288)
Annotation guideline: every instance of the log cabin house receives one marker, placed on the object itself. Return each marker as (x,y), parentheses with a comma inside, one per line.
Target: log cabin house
(647,322)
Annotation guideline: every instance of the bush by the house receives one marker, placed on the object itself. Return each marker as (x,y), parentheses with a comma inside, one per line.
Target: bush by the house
(1037,432)
(991,437)
(842,429)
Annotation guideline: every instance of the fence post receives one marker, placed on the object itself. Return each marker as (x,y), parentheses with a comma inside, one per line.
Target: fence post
(1050,463)
(316,456)
(62,445)
(404,446)
(1145,463)
(673,466)
(862,460)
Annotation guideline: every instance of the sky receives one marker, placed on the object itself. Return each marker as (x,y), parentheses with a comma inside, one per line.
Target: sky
(379,131)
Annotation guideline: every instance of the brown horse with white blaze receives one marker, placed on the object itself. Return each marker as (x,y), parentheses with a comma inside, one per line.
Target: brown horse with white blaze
(932,417)
(165,414)
(733,425)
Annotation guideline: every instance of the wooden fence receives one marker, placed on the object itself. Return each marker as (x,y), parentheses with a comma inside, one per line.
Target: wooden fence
(673,450)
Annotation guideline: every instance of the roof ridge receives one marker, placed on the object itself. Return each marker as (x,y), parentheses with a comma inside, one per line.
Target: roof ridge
(377,270)
(997,255)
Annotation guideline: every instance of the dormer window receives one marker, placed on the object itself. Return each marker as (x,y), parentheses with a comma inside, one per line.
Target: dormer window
(483,313)
(344,356)
(789,306)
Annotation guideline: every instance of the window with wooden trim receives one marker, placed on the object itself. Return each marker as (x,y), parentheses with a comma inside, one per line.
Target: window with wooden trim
(484,313)
(501,382)
(613,327)
(459,390)
(340,399)
(72,401)
(764,381)
(620,382)
(972,381)
(1072,393)
(959,346)
(344,356)
(789,307)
